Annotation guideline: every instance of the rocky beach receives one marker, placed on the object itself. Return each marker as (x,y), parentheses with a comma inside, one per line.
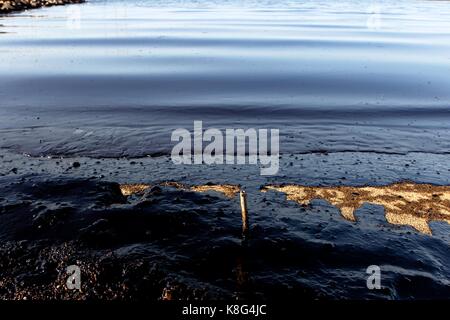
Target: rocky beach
(8,6)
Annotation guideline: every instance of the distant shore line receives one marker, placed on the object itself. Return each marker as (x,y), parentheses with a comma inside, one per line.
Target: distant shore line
(8,6)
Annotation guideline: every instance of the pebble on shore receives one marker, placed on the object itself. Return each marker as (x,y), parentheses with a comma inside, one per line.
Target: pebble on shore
(7,6)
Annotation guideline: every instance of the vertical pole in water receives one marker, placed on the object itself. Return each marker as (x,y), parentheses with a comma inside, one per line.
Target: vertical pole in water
(243,197)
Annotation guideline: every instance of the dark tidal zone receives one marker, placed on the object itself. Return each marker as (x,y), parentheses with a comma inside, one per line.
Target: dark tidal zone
(173,244)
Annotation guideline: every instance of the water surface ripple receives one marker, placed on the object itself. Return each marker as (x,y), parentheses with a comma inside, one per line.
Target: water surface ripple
(113,78)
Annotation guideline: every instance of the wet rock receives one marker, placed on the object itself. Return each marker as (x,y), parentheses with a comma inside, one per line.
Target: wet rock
(50,217)
(155,190)
(98,234)
(76,164)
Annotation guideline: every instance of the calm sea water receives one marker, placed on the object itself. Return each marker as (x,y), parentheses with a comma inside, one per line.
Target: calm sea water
(114,78)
